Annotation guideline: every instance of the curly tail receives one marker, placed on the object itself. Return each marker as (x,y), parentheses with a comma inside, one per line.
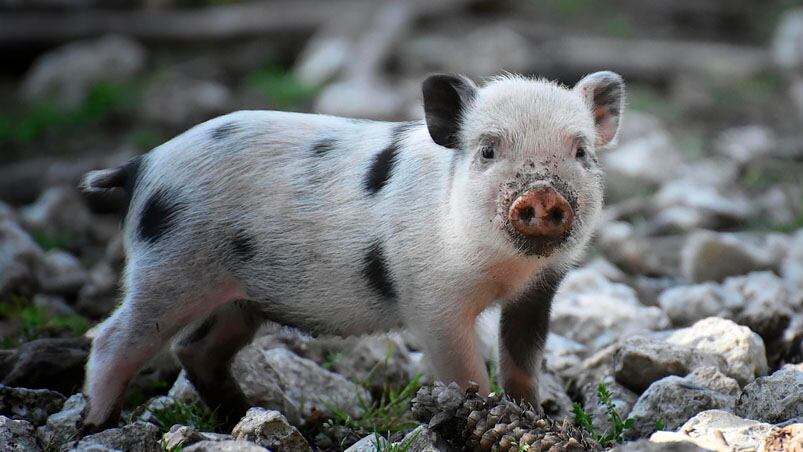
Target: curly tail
(123,177)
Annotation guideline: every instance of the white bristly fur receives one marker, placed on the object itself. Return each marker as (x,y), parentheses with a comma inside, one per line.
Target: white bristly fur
(312,221)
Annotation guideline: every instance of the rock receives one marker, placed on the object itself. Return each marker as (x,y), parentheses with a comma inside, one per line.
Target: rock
(708,207)
(786,439)
(422,439)
(746,143)
(183,436)
(654,256)
(710,256)
(262,384)
(631,168)
(152,406)
(69,72)
(269,429)
(792,267)
(787,44)
(177,100)
(775,398)
(640,361)
(278,378)
(370,443)
(706,428)
(64,425)
(58,212)
(183,390)
(644,445)
(17,436)
(136,437)
(19,257)
(687,304)
(53,305)
(621,397)
(673,400)
(760,301)
(359,98)
(101,293)
(554,400)
(32,405)
(562,353)
(712,378)
(377,361)
(593,369)
(606,310)
(60,273)
(224,446)
(56,364)
(742,349)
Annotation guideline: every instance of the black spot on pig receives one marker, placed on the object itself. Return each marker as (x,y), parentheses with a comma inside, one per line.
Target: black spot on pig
(159,215)
(382,168)
(376,272)
(323,147)
(199,333)
(224,131)
(525,321)
(243,246)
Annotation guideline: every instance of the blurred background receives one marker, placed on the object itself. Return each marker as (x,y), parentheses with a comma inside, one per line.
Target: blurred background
(707,181)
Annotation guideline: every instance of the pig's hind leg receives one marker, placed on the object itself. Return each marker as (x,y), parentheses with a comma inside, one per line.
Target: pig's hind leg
(156,306)
(206,351)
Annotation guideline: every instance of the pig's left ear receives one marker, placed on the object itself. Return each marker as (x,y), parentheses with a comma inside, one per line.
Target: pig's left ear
(604,92)
(445,99)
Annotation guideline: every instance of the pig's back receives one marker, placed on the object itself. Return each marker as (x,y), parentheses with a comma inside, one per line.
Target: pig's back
(299,207)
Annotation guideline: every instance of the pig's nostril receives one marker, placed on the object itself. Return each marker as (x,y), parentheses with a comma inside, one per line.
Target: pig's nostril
(527,214)
(556,215)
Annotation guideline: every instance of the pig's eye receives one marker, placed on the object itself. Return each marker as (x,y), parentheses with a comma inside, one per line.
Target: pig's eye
(487,152)
(580,153)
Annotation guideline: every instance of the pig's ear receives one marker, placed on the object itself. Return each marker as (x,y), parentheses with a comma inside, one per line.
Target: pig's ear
(445,99)
(604,92)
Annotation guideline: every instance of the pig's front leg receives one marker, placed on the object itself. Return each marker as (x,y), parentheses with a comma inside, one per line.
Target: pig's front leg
(450,344)
(524,325)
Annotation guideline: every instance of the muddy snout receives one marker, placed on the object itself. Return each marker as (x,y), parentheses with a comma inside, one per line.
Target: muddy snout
(541,212)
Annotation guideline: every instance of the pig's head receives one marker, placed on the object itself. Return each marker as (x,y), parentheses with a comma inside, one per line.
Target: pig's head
(526,178)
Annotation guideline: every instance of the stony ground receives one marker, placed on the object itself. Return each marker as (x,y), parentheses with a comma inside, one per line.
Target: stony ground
(683,329)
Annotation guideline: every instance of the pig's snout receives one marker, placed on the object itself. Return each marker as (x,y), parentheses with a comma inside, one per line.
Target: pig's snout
(541,213)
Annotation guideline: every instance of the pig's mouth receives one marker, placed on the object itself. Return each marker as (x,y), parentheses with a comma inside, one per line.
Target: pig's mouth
(538,213)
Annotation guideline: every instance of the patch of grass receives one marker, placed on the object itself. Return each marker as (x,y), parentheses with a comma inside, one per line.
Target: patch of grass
(140,392)
(177,448)
(585,420)
(660,424)
(192,414)
(760,88)
(63,239)
(383,445)
(493,377)
(36,322)
(390,414)
(332,358)
(32,122)
(647,98)
(280,87)
(618,26)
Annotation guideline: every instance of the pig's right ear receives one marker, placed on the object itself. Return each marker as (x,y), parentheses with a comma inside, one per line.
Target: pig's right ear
(445,99)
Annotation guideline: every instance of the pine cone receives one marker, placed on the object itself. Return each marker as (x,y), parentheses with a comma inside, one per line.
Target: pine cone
(468,421)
